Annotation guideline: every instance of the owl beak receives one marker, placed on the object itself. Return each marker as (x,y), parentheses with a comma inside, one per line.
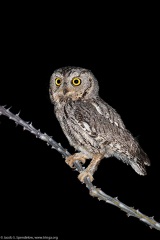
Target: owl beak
(65,90)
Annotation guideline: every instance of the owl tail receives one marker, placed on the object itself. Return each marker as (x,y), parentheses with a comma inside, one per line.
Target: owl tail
(139,162)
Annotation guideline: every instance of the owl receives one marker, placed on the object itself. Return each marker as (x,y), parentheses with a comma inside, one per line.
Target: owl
(92,126)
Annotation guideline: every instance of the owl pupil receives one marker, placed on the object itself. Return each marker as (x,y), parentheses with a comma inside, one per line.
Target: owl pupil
(58,81)
(76,81)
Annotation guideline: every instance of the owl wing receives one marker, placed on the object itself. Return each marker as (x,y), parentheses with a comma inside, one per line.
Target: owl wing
(98,119)
(104,124)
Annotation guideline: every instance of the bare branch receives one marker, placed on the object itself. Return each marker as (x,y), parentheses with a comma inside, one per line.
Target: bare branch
(93,190)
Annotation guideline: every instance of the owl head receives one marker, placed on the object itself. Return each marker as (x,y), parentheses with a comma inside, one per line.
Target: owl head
(72,83)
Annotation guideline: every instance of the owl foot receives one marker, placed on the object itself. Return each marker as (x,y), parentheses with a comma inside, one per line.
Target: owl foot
(77,156)
(84,174)
(92,167)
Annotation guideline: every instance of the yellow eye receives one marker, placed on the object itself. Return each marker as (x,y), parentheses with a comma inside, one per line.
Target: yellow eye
(58,81)
(76,81)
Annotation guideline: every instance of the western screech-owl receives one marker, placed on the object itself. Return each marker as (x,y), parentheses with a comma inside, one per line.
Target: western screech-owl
(92,127)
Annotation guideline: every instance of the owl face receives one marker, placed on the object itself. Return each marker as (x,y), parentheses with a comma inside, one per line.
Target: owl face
(73,83)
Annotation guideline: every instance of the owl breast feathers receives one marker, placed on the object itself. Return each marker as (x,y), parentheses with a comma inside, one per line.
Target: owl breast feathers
(92,126)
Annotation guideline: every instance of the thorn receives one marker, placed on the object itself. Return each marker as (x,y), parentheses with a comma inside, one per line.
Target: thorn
(18,114)
(129,215)
(150,227)
(60,144)
(152,217)
(16,124)
(53,147)
(24,128)
(31,124)
(38,132)
(47,144)
(8,109)
(138,211)
(116,198)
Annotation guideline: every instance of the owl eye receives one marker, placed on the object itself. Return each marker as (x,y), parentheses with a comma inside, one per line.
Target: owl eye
(58,81)
(76,81)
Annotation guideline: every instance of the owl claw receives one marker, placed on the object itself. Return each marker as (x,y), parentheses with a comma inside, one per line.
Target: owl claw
(71,159)
(84,174)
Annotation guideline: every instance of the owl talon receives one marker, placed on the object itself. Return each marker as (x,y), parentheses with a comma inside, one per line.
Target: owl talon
(71,159)
(84,174)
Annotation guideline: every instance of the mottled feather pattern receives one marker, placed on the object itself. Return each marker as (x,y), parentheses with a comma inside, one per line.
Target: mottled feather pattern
(91,125)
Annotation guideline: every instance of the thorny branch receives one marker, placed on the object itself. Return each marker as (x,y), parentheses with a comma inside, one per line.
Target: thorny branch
(93,190)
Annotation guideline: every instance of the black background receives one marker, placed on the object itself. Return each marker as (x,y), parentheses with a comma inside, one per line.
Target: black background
(40,194)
